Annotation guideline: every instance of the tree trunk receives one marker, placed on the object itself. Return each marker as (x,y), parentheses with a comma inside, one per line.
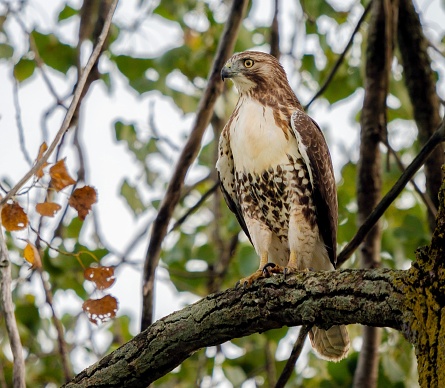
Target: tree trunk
(373,129)
(421,84)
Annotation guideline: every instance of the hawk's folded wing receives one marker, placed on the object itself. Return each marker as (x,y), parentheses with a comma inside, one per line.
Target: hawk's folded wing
(313,149)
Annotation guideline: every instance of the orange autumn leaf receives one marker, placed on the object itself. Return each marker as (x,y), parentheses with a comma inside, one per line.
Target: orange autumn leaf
(13,217)
(59,176)
(82,200)
(48,209)
(102,277)
(42,150)
(100,310)
(32,256)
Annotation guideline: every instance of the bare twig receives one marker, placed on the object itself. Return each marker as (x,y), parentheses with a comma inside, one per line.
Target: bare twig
(188,155)
(63,349)
(8,312)
(195,207)
(78,93)
(292,360)
(155,130)
(18,119)
(424,196)
(437,138)
(38,60)
(340,58)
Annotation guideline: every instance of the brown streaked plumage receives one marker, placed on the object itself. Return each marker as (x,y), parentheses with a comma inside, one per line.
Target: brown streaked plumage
(276,175)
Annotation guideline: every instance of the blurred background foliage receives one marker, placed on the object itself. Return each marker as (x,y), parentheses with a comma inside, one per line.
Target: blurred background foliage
(205,252)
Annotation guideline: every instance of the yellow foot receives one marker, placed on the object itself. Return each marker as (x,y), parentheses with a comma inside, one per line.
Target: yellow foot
(265,272)
(291,270)
(247,281)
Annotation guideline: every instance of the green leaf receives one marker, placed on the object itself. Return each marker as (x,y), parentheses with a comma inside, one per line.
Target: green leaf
(24,69)
(55,54)
(131,195)
(66,13)
(6,51)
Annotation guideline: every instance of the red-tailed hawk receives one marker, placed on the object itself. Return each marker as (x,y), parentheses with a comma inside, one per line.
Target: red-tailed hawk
(276,175)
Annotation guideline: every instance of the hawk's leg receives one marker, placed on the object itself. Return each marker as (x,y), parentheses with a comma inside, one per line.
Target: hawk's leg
(293,265)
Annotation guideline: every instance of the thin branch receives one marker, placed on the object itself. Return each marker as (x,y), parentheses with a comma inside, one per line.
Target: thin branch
(340,59)
(63,349)
(18,119)
(8,312)
(38,60)
(437,138)
(424,196)
(155,130)
(295,354)
(194,208)
(188,155)
(78,93)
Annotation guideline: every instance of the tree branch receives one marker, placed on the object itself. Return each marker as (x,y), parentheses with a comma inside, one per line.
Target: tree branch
(340,59)
(435,139)
(295,354)
(323,298)
(373,123)
(78,94)
(421,84)
(274,39)
(8,312)
(188,155)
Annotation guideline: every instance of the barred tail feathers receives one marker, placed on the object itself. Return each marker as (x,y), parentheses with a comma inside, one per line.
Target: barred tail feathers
(331,344)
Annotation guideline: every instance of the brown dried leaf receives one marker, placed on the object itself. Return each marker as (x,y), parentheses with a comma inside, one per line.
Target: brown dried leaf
(82,200)
(59,176)
(48,209)
(32,256)
(102,277)
(13,217)
(100,310)
(42,150)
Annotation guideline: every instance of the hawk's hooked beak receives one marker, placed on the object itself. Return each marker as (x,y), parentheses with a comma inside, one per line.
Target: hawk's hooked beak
(227,71)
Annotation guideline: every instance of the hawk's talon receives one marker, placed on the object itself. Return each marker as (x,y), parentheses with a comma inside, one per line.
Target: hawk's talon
(268,269)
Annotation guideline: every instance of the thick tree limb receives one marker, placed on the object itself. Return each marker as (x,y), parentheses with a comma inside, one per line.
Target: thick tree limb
(188,155)
(8,313)
(323,298)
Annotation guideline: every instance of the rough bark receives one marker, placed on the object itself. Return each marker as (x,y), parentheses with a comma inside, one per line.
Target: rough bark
(425,301)
(373,129)
(421,83)
(324,298)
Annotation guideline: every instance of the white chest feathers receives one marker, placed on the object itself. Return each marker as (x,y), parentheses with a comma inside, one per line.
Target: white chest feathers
(256,141)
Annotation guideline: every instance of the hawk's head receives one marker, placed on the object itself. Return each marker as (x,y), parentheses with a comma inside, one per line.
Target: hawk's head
(258,74)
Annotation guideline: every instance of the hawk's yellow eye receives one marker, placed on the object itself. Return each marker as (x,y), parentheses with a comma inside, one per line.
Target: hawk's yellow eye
(248,63)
